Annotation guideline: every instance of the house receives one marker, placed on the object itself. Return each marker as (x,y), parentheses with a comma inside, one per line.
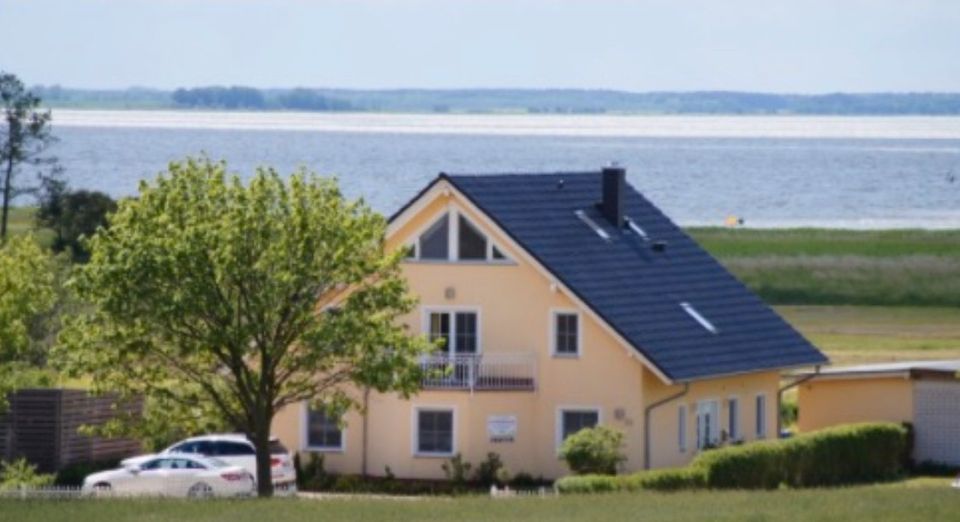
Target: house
(923,393)
(566,300)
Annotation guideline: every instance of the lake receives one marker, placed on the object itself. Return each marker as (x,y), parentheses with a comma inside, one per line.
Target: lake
(773,171)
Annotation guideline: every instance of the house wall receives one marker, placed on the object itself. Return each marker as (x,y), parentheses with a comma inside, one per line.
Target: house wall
(665,419)
(515,301)
(830,402)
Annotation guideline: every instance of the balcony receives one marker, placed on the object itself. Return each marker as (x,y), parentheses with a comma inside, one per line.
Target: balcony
(481,372)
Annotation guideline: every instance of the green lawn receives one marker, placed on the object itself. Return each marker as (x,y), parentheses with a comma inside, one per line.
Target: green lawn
(924,499)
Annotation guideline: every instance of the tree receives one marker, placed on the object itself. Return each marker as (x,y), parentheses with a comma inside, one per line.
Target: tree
(72,215)
(26,291)
(204,294)
(23,140)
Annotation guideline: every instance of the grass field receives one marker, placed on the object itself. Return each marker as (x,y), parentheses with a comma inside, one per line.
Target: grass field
(819,266)
(918,499)
(862,334)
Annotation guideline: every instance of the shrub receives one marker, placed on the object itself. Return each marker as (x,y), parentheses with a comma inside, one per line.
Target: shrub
(21,473)
(593,451)
(456,469)
(674,479)
(590,484)
(842,455)
(487,471)
(656,480)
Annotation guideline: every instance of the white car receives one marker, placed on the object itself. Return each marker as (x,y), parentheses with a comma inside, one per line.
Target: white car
(175,476)
(236,449)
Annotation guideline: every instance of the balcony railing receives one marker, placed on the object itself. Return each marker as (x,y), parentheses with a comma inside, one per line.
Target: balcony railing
(481,372)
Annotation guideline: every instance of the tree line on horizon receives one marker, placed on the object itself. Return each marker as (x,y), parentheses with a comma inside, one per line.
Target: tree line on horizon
(531,101)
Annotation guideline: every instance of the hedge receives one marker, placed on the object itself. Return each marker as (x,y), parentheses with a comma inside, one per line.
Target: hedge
(656,480)
(834,456)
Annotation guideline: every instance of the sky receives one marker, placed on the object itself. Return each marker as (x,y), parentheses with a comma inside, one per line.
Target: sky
(805,46)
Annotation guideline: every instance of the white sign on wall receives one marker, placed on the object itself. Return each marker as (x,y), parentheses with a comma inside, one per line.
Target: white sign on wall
(502,428)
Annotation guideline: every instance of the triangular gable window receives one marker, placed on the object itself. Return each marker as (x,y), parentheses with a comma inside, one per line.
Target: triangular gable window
(433,242)
(473,244)
(464,240)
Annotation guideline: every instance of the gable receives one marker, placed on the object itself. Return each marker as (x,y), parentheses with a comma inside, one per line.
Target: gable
(440,198)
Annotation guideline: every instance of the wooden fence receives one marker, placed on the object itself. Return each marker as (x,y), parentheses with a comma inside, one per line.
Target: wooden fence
(43,425)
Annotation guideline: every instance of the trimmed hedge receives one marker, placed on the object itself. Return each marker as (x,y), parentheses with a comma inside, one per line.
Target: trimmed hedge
(656,480)
(834,456)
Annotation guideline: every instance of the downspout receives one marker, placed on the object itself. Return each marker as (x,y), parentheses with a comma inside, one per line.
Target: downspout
(794,384)
(646,421)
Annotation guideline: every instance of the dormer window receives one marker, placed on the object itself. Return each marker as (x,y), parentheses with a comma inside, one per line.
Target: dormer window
(453,237)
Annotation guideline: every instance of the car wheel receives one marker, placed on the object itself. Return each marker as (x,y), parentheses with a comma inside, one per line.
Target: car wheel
(102,488)
(200,490)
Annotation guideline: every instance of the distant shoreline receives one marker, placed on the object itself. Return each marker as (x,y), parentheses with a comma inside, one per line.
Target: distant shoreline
(508,101)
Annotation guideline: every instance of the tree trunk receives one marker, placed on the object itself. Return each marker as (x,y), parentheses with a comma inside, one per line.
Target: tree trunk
(261,443)
(6,199)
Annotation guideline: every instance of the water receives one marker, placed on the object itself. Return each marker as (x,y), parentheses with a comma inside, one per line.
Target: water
(873,172)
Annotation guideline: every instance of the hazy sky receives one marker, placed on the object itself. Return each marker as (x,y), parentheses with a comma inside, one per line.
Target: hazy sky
(758,45)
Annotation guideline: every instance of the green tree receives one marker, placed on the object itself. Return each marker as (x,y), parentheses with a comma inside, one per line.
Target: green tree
(72,215)
(23,139)
(204,296)
(27,278)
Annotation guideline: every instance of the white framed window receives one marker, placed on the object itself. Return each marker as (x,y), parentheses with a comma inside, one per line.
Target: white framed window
(733,418)
(571,419)
(682,427)
(458,328)
(708,423)
(565,333)
(453,237)
(322,432)
(761,406)
(434,431)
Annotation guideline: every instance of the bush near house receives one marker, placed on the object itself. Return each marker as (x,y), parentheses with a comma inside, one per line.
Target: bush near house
(850,454)
(596,450)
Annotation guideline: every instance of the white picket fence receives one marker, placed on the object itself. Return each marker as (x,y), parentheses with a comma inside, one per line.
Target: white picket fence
(506,492)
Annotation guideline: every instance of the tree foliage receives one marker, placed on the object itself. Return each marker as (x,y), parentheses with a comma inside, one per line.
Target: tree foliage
(72,215)
(23,140)
(27,278)
(205,292)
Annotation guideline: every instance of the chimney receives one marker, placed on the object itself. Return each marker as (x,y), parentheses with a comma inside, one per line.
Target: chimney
(614,187)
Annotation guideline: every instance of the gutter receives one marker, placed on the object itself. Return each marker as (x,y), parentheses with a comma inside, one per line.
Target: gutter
(646,421)
(794,384)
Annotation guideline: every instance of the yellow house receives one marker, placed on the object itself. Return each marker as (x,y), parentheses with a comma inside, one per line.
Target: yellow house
(566,301)
(924,393)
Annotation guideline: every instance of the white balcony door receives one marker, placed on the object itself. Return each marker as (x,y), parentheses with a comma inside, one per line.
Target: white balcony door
(458,329)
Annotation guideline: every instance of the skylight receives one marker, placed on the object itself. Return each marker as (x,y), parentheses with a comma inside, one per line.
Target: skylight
(692,312)
(637,229)
(592,224)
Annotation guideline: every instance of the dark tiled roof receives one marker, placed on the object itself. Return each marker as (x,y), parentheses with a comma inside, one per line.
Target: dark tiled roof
(635,289)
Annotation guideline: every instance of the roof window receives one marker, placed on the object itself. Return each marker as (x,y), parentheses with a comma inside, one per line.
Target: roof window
(692,312)
(592,224)
(637,229)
